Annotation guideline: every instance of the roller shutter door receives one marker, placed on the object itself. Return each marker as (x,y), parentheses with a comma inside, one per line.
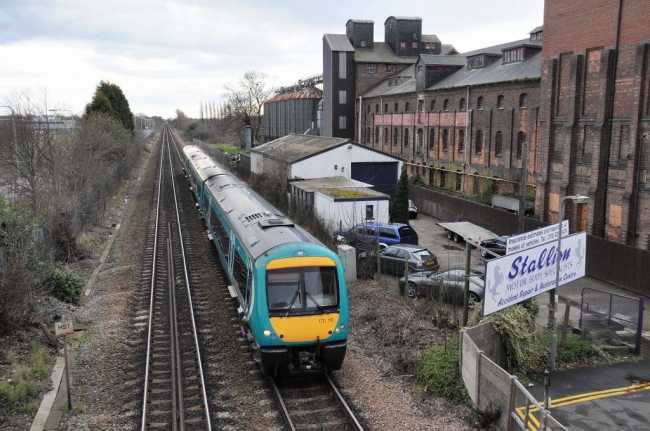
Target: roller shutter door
(381,175)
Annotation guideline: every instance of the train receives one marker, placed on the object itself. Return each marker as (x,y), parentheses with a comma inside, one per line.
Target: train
(290,288)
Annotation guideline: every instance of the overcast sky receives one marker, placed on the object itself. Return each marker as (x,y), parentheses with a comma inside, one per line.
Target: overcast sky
(171,54)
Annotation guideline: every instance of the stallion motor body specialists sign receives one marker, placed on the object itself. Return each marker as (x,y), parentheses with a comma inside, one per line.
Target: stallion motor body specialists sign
(520,276)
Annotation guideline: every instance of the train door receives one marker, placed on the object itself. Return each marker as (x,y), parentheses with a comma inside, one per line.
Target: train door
(231,251)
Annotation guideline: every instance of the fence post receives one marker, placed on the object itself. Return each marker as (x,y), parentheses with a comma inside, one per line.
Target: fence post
(639,326)
(513,400)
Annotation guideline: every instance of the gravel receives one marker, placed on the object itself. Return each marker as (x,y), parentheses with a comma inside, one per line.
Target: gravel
(388,333)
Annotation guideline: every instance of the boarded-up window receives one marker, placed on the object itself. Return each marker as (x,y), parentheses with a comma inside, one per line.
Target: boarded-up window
(615,215)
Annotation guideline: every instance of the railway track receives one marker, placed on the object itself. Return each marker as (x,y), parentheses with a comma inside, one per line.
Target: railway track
(174,393)
(313,403)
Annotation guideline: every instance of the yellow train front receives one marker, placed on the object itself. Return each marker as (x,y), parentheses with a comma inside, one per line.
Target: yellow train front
(291,289)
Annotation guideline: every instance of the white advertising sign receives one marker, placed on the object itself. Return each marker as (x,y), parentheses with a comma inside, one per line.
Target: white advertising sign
(516,277)
(536,237)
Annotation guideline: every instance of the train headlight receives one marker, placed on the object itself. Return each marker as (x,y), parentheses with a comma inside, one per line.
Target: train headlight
(267,333)
(340,328)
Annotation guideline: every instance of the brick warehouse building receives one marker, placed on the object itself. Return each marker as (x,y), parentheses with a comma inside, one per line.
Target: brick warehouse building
(594,123)
(464,134)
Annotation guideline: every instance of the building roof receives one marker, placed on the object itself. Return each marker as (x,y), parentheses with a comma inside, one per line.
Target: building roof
(303,93)
(381,53)
(530,68)
(338,42)
(294,147)
(340,187)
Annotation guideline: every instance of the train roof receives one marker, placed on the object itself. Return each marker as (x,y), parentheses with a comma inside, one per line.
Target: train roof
(260,226)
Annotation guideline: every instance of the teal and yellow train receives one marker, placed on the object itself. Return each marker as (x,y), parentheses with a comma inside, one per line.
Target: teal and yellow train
(291,289)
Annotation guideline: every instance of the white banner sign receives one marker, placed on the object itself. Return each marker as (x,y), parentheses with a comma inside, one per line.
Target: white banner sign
(516,277)
(536,237)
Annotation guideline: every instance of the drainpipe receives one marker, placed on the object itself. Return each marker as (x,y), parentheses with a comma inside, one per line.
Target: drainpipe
(610,116)
(360,110)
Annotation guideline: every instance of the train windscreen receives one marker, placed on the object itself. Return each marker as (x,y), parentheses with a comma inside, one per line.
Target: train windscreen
(302,290)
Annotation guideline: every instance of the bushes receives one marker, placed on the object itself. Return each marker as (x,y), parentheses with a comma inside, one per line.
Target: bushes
(65,284)
(440,373)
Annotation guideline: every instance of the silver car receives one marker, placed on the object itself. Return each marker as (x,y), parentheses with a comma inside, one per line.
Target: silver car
(448,285)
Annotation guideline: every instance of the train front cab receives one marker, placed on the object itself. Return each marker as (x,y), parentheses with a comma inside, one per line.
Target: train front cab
(307,309)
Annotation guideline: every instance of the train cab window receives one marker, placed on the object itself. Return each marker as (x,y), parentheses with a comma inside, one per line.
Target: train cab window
(301,290)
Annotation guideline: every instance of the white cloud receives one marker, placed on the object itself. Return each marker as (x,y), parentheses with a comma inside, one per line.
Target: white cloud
(176,54)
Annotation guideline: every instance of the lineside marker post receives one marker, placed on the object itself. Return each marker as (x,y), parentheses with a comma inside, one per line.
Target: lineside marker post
(65,328)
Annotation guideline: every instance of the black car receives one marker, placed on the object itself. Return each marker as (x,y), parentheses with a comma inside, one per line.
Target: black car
(496,245)
(392,259)
(448,285)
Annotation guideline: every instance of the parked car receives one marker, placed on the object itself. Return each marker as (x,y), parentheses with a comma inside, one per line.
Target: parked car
(496,245)
(391,259)
(448,285)
(413,210)
(373,233)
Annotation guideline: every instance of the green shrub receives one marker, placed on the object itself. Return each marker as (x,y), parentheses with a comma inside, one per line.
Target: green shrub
(439,372)
(65,284)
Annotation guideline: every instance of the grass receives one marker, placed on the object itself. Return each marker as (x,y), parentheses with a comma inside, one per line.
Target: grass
(90,243)
(23,383)
(227,148)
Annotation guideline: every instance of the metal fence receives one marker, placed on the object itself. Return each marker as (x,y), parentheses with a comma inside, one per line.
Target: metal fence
(621,314)
(527,414)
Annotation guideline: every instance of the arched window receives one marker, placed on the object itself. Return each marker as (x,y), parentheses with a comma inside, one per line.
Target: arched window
(406,137)
(463,104)
(479,103)
(420,105)
(385,135)
(478,145)
(442,178)
(432,138)
(523,100)
(368,110)
(419,139)
(445,105)
(396,108)
(433,105)
(461,140)
(445,139)
(376,134)
(377,108)
(395,136)
(498,143)
(386,108)
(406,107)
(521,140)
(500,101)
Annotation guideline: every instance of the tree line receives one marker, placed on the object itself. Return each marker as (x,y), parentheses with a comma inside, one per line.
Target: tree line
(55,183)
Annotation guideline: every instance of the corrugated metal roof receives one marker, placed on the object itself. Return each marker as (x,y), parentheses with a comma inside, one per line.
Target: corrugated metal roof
(443,60)
(304,93)
(430,38)
(295,147)
(338,42)
(537,29)
(381,53)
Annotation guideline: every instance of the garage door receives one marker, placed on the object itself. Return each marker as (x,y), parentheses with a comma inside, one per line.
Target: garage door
(381,175)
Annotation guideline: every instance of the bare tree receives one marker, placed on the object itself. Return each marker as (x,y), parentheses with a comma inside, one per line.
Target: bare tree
(181,120)
(245,100)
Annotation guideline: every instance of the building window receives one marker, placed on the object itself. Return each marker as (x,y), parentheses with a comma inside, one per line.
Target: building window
(377,108)
(513,55)
(463,104)
(342,122)
(479,103)
(368,109)
(396,108)
(363,44)
(433,105)
(419,139)
(445,139)
(442,179)
(390,68)
(342,96)
(376,134)
(459,180)
(385,135)
(420,105)
(500,101)
(461,140)
(445,105)
(432,137)
(386,108)
(402,45)
(406,137)
(395,136)
(478,145)
(406,107)
(415,45)
(523,100)
(475,63)
(521,140)
(370,68)
(498,143)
